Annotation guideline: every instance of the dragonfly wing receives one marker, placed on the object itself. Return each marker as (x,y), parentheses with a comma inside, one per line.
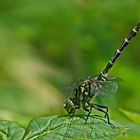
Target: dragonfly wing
(107,88)
(115,79)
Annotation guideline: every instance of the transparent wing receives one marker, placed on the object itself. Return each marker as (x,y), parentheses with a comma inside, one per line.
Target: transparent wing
(80,81)
(75,85)
(107,88)
(116,79)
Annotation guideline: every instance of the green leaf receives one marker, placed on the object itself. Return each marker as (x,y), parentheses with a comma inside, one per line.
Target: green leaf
(135,117)
(74,128)
(61,127)
(133,132)
(10,131)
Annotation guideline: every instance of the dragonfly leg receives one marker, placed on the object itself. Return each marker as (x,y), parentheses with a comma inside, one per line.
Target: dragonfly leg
(103,107)
(100,108)
(88,109)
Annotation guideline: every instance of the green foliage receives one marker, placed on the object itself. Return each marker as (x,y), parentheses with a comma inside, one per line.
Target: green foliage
(46,45)
(133,116)
(10,131)
(133,124)
(61,127)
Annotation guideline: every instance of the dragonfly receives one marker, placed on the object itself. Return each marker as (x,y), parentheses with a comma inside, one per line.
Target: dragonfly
(100,85)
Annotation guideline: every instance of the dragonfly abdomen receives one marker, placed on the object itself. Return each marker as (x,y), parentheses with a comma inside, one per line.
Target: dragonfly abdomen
(123,45)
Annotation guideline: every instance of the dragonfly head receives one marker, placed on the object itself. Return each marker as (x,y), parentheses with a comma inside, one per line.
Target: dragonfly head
(70,106)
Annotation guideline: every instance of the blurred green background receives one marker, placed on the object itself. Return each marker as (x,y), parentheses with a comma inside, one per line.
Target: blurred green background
(47,45)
